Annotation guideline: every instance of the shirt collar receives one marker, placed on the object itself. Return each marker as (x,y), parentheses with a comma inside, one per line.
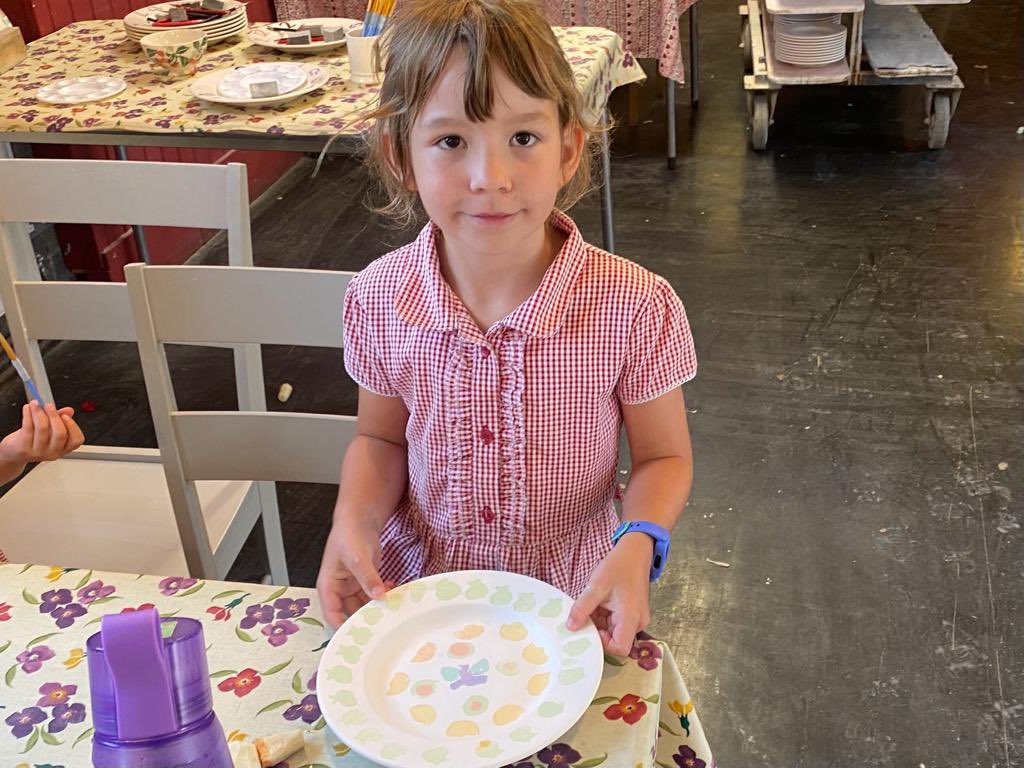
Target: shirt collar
(425,299)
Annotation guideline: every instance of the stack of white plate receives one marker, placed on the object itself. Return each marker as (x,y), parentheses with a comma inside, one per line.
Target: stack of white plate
(810,45)
(233,86)
(138,24)
(806,18)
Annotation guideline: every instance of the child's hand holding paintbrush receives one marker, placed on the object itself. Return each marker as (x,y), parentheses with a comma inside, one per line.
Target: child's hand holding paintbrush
(46,433)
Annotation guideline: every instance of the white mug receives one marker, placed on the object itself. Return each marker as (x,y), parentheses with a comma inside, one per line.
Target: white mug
(362,52)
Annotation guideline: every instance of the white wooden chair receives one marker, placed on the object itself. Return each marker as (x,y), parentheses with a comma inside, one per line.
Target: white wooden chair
(109,507)
(237,305)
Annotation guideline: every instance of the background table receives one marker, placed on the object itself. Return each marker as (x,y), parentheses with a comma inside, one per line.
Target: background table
(264,647)
(151,112)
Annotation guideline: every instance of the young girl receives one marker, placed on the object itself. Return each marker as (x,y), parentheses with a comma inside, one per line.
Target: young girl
(46,434)
(498,354)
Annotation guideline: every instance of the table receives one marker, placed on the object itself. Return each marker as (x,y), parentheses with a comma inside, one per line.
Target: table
(264,673)
(649,29)
(154,113)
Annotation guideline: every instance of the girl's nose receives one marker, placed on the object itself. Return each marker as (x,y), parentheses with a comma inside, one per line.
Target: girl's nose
(490,171)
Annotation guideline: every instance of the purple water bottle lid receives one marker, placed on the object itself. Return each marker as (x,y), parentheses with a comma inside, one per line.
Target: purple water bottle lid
(134,652)
(148,677)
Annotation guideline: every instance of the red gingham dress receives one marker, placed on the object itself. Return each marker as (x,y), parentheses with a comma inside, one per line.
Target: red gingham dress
(512,433)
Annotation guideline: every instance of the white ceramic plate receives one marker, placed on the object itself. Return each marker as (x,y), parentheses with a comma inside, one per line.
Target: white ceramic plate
(473,669)
(263,34)
(288,76)
(80,90)
(139,18)
(812,32)
(206,87)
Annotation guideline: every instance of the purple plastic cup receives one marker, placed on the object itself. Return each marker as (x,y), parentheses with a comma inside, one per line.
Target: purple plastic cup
(151,701)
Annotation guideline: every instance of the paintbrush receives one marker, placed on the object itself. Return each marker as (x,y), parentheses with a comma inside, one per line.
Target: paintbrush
(21,369)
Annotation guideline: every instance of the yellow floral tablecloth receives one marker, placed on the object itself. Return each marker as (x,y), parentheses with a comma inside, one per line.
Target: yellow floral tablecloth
(264,646)
(151,105)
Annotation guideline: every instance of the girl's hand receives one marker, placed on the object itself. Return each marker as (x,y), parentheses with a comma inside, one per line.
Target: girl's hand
(46,434)
(617,598)
(348,577)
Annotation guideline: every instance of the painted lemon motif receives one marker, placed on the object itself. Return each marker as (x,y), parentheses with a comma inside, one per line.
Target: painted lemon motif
(507,714)
(354,717)
(470,632)
(393,600)
(477,589)
(475,705)
(535,654)
(576,647)
(460,650)
(340,674)
(391,751)
(570,676)
(398,684)
(487,748)
(501,596)
(350,653)
(423,714)
(514,632)
(447,589)
(361,635)
(551,608)
(550,709)
(538,684)
(522,733)
(372,614)
(461,728)
(436,755)
(417,590)
(425,653)
(508,668)
(424,688)
(526,602)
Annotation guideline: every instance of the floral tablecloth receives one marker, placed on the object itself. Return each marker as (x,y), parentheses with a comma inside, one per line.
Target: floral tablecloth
(264,644)
(151,105)
(649,28)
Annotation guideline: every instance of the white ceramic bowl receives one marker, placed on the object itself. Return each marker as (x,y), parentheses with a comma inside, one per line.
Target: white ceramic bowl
(174,53)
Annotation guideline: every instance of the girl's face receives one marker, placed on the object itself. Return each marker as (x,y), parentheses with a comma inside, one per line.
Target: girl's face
(490,186)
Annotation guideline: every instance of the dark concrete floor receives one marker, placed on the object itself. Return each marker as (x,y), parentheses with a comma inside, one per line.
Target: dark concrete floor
(858,305)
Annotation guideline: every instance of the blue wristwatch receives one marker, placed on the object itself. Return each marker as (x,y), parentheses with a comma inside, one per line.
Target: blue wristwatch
(661,542)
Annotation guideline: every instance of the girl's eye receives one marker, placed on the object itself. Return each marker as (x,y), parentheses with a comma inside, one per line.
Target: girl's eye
(450,142)
(524,139)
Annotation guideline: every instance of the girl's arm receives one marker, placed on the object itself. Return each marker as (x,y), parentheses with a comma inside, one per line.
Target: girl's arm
(617,597)
(374,476)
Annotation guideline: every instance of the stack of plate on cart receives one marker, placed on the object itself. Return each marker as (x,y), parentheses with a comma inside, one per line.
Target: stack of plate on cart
(233,21)
(809,43)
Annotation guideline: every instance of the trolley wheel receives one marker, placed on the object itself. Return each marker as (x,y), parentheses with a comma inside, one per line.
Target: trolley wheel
(938,121)
(748,49)
(759,120)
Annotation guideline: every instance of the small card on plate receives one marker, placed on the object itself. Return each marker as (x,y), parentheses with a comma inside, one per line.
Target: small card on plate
(315,30)
(334,34)
(213,5)
(178,14)
(263,89)
(298,38)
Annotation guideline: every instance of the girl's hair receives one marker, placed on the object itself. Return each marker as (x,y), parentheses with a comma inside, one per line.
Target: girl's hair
(510,34)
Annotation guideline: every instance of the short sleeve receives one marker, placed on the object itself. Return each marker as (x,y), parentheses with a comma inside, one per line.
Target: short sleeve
(660,356)
(363,359)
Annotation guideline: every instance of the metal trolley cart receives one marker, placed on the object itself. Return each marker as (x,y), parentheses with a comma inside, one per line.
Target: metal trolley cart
(888,43)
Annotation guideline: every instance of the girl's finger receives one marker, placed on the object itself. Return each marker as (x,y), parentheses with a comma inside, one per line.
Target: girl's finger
(623,635)
(75,437)
(67,411)
(26,421)
(58,432)
(41,435)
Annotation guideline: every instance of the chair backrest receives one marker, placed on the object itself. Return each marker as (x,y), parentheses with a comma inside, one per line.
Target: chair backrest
(238,305)
(103,192)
